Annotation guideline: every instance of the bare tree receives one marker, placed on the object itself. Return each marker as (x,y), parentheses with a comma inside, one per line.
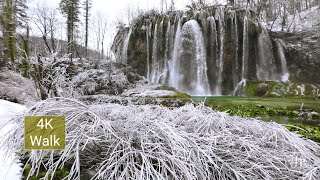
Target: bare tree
(100,27)
(164,6)
(46,20)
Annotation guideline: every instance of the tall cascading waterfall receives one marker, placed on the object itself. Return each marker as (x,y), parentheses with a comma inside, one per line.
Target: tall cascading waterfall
(215,51)
(155,61)
(162,45)
(189,63)
(124,58)
(169,46)
(235,70)
(148,36)
(220,17)
(174,62)
(158,62)
(213,55)
(244,58)
(281,54)
(245,49)
(266,65)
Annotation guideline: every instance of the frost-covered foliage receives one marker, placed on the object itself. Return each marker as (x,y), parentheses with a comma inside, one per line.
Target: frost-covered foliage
(99,81)
(14,87)
(57,78)
(153,142)
(149,90)
(304,21)
(294,89)
(61,78)
(110,78)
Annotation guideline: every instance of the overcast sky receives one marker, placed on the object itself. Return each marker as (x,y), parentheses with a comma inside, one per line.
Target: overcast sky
(114,8)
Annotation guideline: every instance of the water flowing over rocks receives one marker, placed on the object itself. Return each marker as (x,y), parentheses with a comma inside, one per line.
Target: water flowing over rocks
(211,51)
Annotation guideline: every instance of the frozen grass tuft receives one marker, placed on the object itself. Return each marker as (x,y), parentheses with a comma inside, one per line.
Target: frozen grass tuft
(155,142)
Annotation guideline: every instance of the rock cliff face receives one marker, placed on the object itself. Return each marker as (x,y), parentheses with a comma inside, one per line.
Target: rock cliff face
(212,51)
(303,55)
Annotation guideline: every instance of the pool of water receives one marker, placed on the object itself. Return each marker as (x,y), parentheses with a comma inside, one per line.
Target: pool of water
(289,120)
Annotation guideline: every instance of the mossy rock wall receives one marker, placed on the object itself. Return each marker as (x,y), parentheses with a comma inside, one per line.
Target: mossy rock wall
(282,89)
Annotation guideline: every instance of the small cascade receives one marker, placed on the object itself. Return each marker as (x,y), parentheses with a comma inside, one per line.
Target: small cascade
(281,53)
(238,91)
(190,61)
(266,66)
(125,47)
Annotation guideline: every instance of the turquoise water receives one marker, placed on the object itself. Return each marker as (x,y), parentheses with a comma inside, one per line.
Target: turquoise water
(289,120)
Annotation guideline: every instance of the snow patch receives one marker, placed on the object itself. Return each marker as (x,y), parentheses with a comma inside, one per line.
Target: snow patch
(10,167)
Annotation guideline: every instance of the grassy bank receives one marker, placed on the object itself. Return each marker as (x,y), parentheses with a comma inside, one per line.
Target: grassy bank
(272,102)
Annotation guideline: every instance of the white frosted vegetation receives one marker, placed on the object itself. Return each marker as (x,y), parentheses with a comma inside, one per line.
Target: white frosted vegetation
(155,142)
(15,87)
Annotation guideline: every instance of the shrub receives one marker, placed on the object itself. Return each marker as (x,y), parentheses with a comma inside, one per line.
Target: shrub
(155,142)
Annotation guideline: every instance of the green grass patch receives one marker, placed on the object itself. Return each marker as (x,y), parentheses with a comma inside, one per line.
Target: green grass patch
(59,174)
(268,102)
(180,95)
(310,132)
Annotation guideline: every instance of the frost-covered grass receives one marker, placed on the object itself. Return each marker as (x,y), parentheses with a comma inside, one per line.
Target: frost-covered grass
(155,142)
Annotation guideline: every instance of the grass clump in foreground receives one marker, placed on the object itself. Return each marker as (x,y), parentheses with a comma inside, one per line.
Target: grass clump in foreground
(154,142)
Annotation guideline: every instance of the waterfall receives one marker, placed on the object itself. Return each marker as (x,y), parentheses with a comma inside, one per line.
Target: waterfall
(245,50)
(125,47)
(154,61)
(266,66)
(213,55)
(245,55)
(169,37)
(235,69)
(174,76)
(213,51)
(220,17)
(148,34)
(284,69)
(238,91)
(189,64)
(159,60)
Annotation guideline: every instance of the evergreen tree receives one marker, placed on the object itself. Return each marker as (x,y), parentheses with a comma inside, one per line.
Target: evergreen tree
(87,6)
(13,15)
(20,13)
(8,24)
(71,9)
